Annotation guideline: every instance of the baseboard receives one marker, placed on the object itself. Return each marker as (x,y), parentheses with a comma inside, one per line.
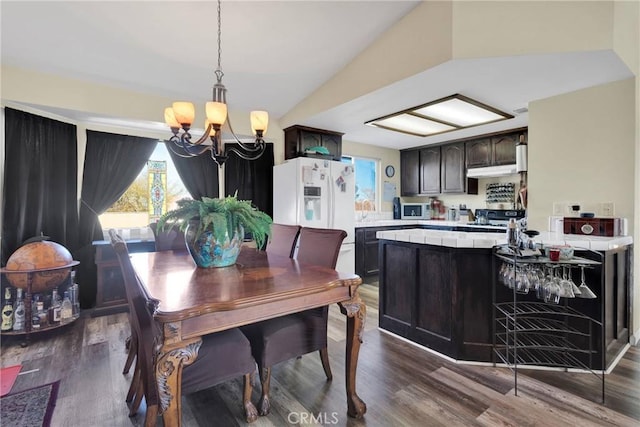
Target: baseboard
(634,339)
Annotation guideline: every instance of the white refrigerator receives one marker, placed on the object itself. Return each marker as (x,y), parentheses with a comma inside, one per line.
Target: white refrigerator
(317,193)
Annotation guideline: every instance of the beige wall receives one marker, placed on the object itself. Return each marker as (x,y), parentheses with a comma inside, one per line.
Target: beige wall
(582,149)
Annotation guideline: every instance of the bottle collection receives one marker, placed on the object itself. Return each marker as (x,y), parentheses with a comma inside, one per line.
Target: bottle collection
(47,309)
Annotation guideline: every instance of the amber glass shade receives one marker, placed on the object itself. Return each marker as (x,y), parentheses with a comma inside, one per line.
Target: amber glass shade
(216,112)
(170,118)
(184,112)
(259,121)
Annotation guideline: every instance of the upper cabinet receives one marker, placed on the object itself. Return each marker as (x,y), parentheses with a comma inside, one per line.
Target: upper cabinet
(430,171)
(297,139)
(493,150)
(410,172)
(435,170)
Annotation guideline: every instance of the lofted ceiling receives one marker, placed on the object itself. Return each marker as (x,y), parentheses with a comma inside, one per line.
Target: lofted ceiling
(274,54)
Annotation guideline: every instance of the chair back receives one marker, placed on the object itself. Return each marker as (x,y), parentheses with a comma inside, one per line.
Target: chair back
(320,246)
(172,239)
(283,239)
(140,316)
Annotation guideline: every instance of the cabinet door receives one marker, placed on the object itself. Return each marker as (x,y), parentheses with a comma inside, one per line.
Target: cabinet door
(333,143)
(308,140)
(479,153)
(410,173)
(453,171)
(504,149)
(430,170)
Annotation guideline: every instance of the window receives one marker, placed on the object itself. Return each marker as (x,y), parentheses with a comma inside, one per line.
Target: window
(155,190)
(366,182)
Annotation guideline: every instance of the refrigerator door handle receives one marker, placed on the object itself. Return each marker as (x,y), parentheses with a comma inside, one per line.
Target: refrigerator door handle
(331,201)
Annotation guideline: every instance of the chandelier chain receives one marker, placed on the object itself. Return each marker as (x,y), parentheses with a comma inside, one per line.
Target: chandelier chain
(219,43)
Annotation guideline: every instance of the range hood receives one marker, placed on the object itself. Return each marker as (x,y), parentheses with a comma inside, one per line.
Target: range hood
(492,171)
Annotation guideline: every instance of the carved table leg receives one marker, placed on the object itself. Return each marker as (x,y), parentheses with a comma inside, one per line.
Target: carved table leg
(169,366)
(355,310)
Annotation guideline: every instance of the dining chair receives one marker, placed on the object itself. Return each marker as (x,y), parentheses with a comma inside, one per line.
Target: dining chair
(282,240)
(287,337)
(222,355)
(173,239)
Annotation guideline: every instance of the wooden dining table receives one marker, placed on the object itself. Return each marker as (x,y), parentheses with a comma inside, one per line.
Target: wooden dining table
(190,302)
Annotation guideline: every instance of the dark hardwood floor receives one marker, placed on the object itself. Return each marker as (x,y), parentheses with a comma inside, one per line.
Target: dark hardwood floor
(402,384)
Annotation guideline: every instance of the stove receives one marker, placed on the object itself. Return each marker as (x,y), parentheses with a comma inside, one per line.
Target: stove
(499,217)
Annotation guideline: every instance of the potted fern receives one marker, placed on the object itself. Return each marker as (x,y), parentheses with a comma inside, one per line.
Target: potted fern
(214,228)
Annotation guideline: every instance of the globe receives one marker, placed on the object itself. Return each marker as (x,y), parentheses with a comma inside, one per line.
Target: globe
(49,263)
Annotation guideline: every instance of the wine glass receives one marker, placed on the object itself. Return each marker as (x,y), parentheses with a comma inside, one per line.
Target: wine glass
(566,290)
(585,292)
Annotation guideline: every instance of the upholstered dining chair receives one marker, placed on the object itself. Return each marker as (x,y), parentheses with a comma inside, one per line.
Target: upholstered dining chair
(168,240)
(222,356)
(282,240)
(287,337)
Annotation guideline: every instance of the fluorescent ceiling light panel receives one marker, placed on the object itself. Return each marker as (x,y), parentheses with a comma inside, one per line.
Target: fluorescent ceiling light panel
(415,125)
(459,112)
(443,115)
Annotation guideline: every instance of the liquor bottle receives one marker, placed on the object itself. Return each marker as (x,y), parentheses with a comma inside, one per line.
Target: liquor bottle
(18,312)
(66,313)
(55,308)
(7,311)
(36,317)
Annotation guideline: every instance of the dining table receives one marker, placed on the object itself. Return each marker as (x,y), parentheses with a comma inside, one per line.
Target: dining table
(189,302)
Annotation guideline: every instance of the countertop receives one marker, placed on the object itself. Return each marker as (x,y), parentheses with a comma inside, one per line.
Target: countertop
(459,239)
(418,222)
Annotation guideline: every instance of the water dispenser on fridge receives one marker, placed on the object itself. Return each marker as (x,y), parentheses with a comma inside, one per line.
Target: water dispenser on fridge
(312,203)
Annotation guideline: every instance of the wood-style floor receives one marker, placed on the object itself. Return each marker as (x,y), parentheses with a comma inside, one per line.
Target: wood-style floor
(402,385)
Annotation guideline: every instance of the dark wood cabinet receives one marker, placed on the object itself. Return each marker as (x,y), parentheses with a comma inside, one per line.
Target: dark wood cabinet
(504,148)
(494,150)
(410,173)
(297,139)
(111,296)
(435,170)
(453,172)
(441,297)
(479,153)
(430,170)
(367,250)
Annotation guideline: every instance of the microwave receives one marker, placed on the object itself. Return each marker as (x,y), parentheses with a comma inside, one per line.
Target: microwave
(415,211)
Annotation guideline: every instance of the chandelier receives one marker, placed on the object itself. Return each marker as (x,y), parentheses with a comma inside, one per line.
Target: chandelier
(180,117)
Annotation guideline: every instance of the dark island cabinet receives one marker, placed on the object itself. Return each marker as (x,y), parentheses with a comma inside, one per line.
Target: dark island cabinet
(297,139)
(447,301)
(441,298)
(367,250)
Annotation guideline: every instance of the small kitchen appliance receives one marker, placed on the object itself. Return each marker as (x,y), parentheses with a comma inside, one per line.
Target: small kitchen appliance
(415,211)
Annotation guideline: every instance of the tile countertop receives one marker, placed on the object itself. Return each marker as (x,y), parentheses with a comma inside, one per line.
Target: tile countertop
(458,239)
(418,222)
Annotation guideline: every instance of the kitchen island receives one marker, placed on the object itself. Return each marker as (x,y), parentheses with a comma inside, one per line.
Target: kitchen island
(436,288)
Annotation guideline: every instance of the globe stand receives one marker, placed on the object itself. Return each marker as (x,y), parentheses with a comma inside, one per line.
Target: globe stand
(28,292)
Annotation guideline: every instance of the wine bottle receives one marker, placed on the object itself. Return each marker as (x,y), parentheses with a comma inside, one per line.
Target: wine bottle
(7,311)
(18,312)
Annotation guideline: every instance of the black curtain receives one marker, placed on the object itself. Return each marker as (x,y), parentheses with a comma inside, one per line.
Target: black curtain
(40,181)
(112,162)
(253,179)
(199,174)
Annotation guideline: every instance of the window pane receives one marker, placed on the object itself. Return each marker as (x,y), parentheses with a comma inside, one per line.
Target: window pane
(366,182)
(155,190)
